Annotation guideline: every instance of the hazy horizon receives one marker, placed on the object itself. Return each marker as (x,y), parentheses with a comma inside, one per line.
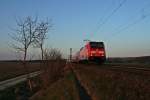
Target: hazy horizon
(123,25)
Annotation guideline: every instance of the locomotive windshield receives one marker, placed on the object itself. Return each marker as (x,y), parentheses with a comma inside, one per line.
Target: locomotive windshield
(96,44)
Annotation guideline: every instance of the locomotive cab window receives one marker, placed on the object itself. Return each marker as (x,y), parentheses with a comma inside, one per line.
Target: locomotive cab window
(96,44)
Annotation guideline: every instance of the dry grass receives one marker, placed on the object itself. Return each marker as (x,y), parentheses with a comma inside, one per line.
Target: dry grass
(52,71)
(13,69)
(63,89)
(104,84)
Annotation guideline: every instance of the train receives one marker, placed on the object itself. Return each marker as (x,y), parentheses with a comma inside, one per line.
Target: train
(92,52)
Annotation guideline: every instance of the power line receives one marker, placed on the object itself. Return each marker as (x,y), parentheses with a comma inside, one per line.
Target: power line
(103,16)
(141,10)
(130,25)
(110,15)
(142,17)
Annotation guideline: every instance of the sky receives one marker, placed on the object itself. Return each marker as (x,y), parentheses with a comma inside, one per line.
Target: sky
(123,25)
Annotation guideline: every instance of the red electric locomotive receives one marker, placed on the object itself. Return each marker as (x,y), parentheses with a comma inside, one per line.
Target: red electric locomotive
(92,51)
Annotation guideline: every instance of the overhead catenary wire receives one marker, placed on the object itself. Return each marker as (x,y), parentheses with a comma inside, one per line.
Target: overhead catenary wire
(123,28)
(133,23)
(102,17)
(110,15)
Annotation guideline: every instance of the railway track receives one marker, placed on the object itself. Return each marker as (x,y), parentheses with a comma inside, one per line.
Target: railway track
(137,69)
(133,68)
(97,79)
(129,67)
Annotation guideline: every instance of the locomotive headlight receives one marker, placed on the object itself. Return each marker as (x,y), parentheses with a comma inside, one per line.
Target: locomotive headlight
(92,52)
(101,52)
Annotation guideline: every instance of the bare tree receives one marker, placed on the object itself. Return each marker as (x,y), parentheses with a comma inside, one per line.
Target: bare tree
(24,36)
(42,30)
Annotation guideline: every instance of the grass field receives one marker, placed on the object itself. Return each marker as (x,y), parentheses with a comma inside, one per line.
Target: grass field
(104,84)
(100,83)
(63,89)
(12,69)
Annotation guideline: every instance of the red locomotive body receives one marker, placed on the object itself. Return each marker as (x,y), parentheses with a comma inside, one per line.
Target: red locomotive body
(92,51)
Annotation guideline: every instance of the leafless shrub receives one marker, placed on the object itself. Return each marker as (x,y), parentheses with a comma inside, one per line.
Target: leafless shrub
(52,54)
(53,66)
